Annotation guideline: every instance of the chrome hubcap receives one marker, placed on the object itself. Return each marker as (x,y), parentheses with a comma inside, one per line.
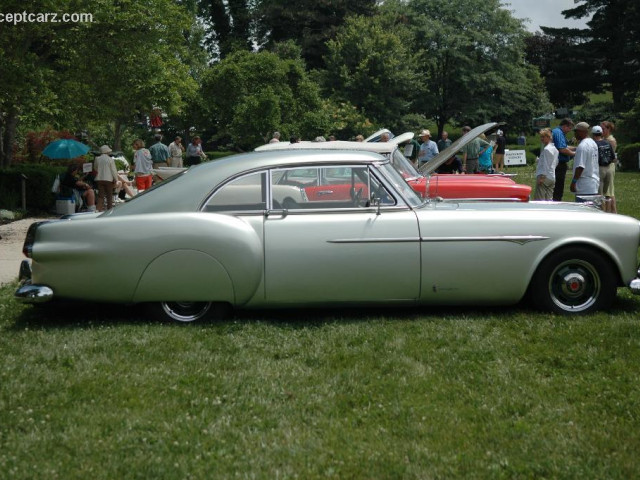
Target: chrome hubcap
(186,311)
(574,285)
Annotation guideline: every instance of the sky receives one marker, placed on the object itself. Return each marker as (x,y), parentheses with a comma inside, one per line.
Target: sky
(544,12)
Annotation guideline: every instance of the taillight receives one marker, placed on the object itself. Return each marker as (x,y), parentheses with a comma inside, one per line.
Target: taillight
(27,247)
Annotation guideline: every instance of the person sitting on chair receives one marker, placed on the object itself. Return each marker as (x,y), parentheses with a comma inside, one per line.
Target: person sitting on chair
(73,184)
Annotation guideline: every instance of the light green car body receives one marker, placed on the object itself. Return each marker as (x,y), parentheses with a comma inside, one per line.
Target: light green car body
(165,246)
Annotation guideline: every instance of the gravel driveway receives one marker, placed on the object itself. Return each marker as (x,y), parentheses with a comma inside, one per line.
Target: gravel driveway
(11,248)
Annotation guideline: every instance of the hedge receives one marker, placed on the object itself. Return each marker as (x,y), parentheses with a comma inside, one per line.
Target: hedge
(218,155)
(628,156)
(38,186)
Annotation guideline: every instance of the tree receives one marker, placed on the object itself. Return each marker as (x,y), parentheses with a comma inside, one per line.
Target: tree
(630,125)
(471,61)
(231,25)
(310,23)
(249,95)
(139,63)
(127,60)
(29,54)
(610,46)
(567,78)
(370,66)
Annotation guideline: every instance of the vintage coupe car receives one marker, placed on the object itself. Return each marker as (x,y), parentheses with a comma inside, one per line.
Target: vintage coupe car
(227,233)
(426,182)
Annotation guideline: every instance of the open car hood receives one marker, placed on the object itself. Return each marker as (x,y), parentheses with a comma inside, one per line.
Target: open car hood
(375,137)
(431,166)
(405,137)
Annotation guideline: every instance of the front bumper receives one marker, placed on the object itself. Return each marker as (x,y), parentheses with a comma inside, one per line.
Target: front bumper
(28,292)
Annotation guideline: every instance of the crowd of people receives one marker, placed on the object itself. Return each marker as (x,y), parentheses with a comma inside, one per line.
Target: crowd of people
(102,186)
(594,163)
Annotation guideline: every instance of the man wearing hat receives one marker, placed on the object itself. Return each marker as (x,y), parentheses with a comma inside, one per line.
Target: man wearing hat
(106,177)
(607,168)
(559,137)
(428,149)
(586,178)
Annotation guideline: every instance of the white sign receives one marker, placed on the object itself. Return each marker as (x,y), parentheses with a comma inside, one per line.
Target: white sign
(515,157)
(87,167)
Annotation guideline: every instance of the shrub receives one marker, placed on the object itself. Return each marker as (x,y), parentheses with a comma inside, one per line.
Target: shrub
(628,156)
(36,141)
(38,186)
(217,155)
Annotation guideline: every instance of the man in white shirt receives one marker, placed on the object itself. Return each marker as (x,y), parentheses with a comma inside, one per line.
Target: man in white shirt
(546,170)
(586,177)
(176,149)
(428,149)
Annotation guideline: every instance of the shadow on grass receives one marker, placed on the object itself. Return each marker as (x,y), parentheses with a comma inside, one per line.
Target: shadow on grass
(93,315)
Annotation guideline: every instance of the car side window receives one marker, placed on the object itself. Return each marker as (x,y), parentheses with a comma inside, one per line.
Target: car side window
(246,193)
(332,188)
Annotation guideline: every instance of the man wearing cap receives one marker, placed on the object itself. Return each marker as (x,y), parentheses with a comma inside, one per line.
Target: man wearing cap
(472,151)
(586,178)
(428,149)
(607,168)
(106,177)
(559,137)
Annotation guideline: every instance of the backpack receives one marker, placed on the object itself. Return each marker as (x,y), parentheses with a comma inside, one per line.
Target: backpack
(606,155)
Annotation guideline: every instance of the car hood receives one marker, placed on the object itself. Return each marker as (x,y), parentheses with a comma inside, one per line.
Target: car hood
(405,137)
(431,166)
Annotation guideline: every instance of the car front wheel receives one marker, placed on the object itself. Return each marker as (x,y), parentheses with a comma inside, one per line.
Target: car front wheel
(574,280)
(187,311)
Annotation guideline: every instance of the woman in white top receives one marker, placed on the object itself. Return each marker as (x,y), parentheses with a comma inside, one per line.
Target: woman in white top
(546,169)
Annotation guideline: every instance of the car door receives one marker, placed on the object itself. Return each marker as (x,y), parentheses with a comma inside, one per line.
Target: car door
(351,250)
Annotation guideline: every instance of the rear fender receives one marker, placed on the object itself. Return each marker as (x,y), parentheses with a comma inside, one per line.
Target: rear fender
(185,275)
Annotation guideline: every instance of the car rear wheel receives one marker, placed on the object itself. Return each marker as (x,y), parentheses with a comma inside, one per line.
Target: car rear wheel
(576,280)
(186,312)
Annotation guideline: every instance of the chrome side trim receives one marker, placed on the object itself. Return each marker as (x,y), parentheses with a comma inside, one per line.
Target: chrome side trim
(519,239)
(482,200)
(375,240)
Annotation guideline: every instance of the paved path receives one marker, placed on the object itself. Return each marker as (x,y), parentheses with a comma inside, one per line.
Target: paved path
(11,248)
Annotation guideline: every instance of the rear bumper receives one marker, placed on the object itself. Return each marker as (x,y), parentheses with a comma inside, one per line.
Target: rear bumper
(28,292)
(634,285)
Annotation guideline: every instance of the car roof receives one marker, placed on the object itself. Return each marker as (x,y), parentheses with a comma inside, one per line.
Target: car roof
(187,191)
(385,148)
(376,147)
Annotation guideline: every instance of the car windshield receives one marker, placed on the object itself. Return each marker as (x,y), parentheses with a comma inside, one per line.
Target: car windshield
(403,166)
(397,180)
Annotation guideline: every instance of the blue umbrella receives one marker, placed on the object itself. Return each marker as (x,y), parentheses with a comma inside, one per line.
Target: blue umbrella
(66,148)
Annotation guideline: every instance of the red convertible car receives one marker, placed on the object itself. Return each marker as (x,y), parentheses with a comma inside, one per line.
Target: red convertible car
(319,185)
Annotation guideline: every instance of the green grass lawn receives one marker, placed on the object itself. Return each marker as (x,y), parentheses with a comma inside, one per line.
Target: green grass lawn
(100,392)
